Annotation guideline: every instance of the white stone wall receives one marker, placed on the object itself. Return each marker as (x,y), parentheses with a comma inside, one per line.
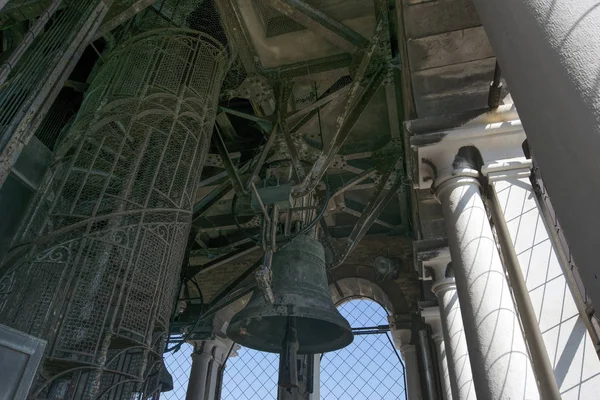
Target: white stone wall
(571,352)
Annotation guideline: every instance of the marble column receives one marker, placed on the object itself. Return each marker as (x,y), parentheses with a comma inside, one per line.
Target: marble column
(457,354)
(500,363)
(207,360)
(408,351)
(432,317)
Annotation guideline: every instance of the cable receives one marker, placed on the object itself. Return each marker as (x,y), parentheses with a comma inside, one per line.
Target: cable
(193,280)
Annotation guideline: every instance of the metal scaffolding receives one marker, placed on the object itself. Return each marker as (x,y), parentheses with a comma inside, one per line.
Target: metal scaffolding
(97,262)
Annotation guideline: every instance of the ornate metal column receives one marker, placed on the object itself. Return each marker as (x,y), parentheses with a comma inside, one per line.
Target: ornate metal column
(99,256)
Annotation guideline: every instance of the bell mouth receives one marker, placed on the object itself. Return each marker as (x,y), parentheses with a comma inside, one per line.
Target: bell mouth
(314,335)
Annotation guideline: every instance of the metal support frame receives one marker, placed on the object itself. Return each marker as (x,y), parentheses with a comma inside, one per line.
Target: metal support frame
(211,199)
(305,115)
(311,67)
(226,127)
(283,95)
(315,20)
(212,179)
(126,14)
(371,330)
(311,109)
(237,32)
(263,156)
(366,174)
(262,205)
(352,111)
(348,120)
(250,117)
(192,271)
(232,171)
(378,202)
(377,221)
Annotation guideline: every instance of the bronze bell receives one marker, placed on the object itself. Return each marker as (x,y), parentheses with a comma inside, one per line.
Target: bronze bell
(302,297)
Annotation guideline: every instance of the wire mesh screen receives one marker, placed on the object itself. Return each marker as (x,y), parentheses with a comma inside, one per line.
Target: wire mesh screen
(367,369)
(251,375)
(102,247)
(179,365)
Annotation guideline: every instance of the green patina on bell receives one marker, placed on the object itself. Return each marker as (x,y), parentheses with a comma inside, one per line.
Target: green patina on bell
(301,292)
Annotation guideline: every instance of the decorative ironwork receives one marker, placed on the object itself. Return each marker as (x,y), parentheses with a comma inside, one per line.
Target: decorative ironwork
(103,244)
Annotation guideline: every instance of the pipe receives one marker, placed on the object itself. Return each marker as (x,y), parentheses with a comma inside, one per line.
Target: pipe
(428,366)
(539,355)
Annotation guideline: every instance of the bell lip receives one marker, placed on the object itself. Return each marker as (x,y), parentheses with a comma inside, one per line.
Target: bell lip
(254,342)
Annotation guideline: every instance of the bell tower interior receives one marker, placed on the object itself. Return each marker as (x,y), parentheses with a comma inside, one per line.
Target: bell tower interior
(298,199)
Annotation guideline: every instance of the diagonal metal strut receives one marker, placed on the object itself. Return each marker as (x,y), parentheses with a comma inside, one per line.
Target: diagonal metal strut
(315,20)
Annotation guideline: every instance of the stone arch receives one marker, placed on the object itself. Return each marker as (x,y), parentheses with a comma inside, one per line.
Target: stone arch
(351,288)
(398,293)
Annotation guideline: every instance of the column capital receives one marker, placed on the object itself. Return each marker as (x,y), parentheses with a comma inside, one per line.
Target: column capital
(401,337)
(437,141)
(432,317)
(217,348)
(407,348)
(432,258)
(453,177)
(444,285)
